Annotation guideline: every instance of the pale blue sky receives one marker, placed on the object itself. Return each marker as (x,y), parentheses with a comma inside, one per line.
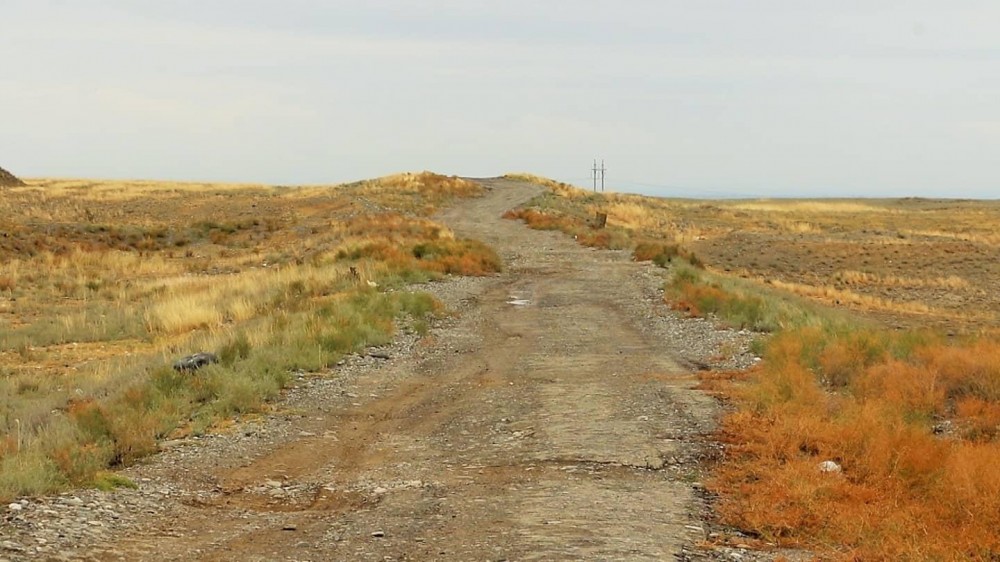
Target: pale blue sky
(706,98)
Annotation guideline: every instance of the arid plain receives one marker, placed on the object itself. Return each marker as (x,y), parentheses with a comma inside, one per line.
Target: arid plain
(876,321)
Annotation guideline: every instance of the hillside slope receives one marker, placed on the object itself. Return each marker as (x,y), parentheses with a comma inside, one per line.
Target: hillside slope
(8,179)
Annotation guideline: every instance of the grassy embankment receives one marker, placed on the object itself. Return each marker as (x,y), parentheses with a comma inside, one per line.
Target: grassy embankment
(104,284)
(912,417)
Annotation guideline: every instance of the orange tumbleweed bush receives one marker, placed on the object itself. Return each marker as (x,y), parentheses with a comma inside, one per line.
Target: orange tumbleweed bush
(540,220)
(908,490)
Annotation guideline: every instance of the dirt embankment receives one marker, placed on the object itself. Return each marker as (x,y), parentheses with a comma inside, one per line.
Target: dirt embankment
(8,179)
(550,418)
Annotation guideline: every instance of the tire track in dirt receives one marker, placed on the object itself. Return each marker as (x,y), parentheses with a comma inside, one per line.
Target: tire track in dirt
(538,431)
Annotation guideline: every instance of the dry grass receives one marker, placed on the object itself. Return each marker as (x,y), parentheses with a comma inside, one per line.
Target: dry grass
(743,304)
(420,193)
(635,216)
(102,284)
(913,421)
(911,418)
(578,226)
(862,278)
(849,298)
(813,207)
(559,187)
(983,238)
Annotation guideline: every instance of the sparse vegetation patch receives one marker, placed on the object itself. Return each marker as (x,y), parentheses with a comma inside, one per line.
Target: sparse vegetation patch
(104,284)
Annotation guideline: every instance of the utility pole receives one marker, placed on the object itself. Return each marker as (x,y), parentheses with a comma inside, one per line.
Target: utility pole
(595,171)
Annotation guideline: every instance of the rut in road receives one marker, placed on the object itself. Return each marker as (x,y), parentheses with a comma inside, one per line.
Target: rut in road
(538,430)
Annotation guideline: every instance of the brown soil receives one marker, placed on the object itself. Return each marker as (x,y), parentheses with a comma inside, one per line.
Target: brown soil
(816,260)
(8,179)
(908,239)
(556,429)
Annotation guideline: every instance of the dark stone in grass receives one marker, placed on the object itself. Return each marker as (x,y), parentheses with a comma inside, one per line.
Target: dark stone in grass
(195,362)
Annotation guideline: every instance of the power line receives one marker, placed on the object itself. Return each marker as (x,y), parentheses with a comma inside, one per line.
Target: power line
(602,171)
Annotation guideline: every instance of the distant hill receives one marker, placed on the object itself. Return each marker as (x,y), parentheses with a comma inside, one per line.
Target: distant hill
(8,179)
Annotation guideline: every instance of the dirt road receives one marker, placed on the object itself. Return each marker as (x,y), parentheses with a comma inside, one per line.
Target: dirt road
(546,421)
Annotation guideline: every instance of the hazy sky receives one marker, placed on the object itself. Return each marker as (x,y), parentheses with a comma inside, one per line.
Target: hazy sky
(699,98)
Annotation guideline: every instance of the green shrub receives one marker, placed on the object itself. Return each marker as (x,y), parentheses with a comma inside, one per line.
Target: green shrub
(107,481)
(29,473)
(742,304)
(238,348)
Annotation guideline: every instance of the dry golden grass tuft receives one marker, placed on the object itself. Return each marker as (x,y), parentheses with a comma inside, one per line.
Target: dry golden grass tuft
(415,192)
(103,283)
(806,207)
(845,297)
(580,227)
(861,278)
(552,184)
(634,216)
(427,183)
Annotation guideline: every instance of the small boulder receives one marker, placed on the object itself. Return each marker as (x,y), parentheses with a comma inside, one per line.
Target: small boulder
(195,362)
(829,467)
